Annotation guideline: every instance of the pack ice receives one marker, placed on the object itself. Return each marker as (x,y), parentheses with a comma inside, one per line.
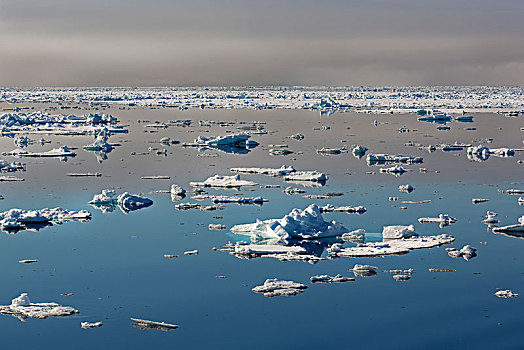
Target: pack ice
(301,224)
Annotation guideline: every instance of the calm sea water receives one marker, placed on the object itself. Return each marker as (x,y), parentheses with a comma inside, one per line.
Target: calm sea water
(115,266)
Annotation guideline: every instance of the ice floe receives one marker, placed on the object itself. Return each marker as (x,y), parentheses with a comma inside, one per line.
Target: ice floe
(442,219)
(22,307)
(390,247)
(511,228)
(146,324)
(88,325)
(273,287)
(329,208)
(283,170)
(223,181)
(406,188)
(14,220)
(398,232)
(330,279)
(506,294)
(62,151)
(467,252)
(314,176)
(387,158)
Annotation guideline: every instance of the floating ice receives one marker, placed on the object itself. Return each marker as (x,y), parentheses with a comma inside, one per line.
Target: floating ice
(511,228)
(6,166)
(390,247)
(406,188)
(21,306)
(329,208)
(177,190)
(279,152)
(129,202)
(87,325)
(506,294)
(302,224)
(387,158)
(443,220)
(481,153)
(238,140)
(358,150)
(314,176)
(18,219)
(10,179)
(223,181)
(62,151)
(274,287)
(217,227)
(330,279)
(401,277)
(326,150)
(146,324)
(398,232)
(396,170)
(479,200)
(467,252)
(84,174)
(490,218)
(232,199)
(283,170)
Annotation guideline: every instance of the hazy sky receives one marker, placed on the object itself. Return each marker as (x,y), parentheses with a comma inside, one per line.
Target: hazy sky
(265,42)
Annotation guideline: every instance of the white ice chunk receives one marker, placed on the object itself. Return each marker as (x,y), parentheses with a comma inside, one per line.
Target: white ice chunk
(398,232)
(274,287)
(223,181)
(22,306)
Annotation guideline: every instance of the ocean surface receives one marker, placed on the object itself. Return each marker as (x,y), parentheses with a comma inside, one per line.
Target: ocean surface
(115,267)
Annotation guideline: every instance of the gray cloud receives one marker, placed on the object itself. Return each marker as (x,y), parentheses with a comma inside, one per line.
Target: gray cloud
(403,42)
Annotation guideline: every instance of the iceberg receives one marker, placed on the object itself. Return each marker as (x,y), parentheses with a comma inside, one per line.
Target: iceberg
(129,202)
(300,224)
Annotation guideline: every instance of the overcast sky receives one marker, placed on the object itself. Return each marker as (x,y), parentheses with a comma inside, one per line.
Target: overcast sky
(265,42)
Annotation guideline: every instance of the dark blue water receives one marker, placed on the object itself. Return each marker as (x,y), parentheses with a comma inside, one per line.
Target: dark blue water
(115,266)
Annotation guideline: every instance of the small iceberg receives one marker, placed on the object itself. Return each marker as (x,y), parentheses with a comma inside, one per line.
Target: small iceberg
(300,224)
